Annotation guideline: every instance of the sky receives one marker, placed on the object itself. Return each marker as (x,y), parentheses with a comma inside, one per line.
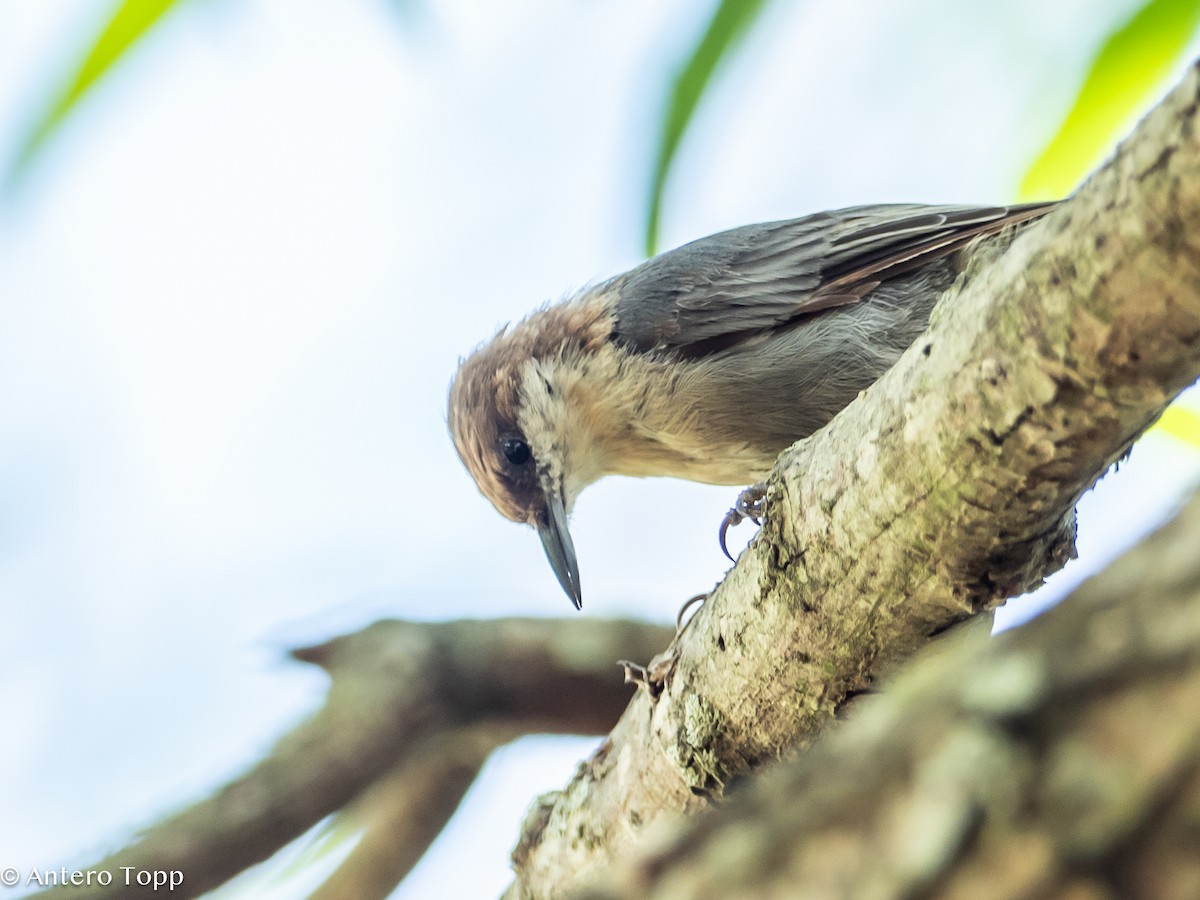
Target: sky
(234,290)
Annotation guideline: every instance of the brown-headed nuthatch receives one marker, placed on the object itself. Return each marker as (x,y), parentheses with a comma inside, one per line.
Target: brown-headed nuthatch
(704,362)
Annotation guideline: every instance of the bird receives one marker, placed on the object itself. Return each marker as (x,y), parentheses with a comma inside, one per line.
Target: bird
(707,361)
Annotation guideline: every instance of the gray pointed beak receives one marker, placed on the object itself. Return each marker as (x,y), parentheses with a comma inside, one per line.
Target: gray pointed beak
(556,539)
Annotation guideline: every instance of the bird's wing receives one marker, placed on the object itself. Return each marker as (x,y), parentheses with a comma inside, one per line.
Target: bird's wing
(699,297)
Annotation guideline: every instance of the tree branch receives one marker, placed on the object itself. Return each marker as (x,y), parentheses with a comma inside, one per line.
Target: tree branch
(1063,759)
(947,488)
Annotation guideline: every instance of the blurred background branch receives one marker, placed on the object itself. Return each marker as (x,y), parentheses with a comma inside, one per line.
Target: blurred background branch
(413,711)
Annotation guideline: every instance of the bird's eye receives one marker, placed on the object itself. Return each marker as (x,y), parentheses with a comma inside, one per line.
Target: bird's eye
(516,451)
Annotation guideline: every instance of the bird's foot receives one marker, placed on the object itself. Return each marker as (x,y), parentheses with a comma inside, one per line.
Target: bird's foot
(749,505)
(653,676)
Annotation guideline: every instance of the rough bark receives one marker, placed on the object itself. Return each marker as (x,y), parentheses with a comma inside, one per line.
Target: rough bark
(413,710)
(1059,760)
(947,488)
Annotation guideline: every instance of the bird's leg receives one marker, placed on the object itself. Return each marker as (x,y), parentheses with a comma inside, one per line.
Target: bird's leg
(749,505)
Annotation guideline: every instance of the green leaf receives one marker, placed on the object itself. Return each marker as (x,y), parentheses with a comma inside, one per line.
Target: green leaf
(130,21)
(731,20)
(1129,69)
(1181,423)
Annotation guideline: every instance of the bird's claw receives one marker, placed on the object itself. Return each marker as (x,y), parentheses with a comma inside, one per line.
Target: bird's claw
(680,625)
(749,505)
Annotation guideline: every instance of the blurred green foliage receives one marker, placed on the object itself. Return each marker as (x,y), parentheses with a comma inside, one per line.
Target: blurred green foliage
(131,19)
(730,22)
(1182,423)
(1130,68)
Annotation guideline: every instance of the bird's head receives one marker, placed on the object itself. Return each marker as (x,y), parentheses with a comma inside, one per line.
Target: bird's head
(515,417)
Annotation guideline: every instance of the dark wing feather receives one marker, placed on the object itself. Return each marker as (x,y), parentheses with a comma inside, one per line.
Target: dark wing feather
(696,298)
